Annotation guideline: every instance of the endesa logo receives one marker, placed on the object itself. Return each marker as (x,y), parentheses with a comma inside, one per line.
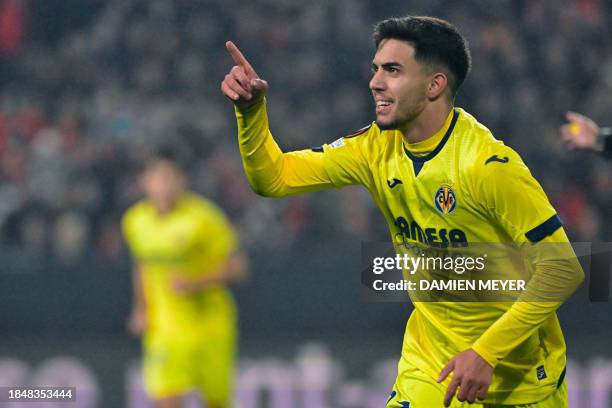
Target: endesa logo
(441,238)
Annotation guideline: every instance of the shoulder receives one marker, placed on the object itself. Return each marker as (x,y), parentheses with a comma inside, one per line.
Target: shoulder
(135,215)
(200,207)
(367,140)
(362,131)
(474,135)
(353,138)
(137,210)
(486,153)
(496,159)
(486,163)
(208,219)
(366,134)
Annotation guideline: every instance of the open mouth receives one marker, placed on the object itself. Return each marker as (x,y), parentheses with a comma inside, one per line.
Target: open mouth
(383,107)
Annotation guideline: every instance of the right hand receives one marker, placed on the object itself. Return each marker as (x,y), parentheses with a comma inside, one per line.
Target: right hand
(137,322)
(242,85)
(580,133)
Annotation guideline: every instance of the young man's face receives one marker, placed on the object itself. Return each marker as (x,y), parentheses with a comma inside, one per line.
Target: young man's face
(399,84)
(163,183)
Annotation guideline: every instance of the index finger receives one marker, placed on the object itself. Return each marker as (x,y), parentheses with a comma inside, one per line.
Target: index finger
(240,60)
(448,368)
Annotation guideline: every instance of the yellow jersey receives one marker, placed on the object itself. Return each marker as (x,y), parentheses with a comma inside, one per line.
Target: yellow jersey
(190,241)
(469,187)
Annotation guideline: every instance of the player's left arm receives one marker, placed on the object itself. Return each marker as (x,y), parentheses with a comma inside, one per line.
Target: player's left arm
(233,270)
(518,204)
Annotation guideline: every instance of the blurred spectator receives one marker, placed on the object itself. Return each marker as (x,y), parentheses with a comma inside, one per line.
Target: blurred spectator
(70,237)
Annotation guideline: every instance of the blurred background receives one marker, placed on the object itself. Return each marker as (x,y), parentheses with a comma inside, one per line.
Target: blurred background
(88,87)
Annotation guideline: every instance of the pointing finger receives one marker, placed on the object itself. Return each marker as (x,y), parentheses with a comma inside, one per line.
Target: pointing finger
(240,60)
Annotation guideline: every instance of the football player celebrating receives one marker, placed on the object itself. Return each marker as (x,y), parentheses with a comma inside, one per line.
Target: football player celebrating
(439,177)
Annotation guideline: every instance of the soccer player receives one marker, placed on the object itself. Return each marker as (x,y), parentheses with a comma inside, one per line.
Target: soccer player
(439,177)
(583,133)
(185,252)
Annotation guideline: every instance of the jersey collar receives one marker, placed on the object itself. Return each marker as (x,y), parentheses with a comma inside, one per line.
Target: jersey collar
(429,156)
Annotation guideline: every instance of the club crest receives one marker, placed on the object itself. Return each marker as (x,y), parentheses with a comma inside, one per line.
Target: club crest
(445,199)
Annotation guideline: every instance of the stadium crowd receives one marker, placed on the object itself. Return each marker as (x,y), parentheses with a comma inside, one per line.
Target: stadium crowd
(81,103)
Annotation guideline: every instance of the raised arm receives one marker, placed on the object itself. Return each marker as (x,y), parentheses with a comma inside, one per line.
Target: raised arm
(271,172)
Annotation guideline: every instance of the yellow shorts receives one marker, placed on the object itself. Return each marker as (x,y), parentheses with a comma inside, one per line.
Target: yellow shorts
(418,390)
(175,367)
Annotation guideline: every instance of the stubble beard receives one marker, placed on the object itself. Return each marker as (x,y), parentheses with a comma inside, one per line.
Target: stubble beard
(400,123)
(387,126)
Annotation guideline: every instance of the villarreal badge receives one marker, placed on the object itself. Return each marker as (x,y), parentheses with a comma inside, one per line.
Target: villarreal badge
(445,199)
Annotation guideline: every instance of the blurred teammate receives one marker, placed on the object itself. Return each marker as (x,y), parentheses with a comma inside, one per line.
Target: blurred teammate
(185,251)
(439,177)
(583,133)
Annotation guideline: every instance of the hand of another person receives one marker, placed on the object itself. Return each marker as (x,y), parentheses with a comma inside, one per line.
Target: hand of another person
(580,133)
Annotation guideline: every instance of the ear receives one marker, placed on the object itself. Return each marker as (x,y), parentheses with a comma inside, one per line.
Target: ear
(437,85)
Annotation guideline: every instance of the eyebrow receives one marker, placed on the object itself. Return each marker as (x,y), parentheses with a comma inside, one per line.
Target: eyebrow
(387,65)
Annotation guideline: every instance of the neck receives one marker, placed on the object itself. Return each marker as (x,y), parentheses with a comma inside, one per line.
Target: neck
(427,123)
(165,207)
